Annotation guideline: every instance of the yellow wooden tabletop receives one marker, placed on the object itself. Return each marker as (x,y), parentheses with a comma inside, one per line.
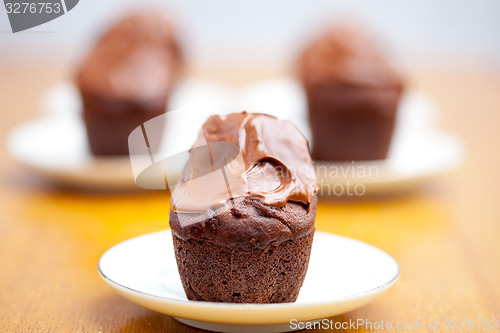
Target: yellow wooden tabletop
(445,237)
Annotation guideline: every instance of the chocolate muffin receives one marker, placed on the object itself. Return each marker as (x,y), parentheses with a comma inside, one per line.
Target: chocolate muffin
(243,229)
(126,80)
(352,94)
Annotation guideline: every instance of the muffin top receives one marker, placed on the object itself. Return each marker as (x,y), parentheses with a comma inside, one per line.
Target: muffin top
(249,182)
(137,59)
(246,155)
(246,223)
(346,56)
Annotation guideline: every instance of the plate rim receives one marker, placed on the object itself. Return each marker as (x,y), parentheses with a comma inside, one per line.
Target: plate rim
(236,307)
(81,179)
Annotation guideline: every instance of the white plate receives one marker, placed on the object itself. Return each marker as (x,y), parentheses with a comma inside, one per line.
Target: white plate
(344,274)
(55,145)
(410,163)
(419,150)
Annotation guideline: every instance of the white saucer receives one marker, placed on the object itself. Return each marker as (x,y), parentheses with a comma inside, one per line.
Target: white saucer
(344,274)
(419,150)
(55,145)
(409,164)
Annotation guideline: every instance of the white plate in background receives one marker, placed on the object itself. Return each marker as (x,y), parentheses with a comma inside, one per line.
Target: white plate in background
(419,150)
(344,274)
(55,145)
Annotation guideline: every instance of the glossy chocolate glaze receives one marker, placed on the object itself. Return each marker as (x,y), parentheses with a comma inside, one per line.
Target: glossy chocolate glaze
(273,165)
(269,196)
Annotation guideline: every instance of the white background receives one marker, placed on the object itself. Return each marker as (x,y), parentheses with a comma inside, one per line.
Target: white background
(232,32)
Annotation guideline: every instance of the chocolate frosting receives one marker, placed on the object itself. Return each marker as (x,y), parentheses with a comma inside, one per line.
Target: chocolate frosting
(137,59)
(271,163)
(347,56)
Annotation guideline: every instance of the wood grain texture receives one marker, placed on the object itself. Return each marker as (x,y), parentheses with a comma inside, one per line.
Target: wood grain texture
(445,237)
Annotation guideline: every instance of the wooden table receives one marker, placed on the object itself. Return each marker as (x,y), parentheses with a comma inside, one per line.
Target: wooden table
(445,237)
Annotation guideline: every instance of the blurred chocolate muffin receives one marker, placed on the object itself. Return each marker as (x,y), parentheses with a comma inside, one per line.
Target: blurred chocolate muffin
(126,80)
(352,93)
(243,233)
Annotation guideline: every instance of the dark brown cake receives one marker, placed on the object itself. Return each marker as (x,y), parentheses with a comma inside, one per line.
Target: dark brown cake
(126,80)
(245,236)
(352,93)
(252,270)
